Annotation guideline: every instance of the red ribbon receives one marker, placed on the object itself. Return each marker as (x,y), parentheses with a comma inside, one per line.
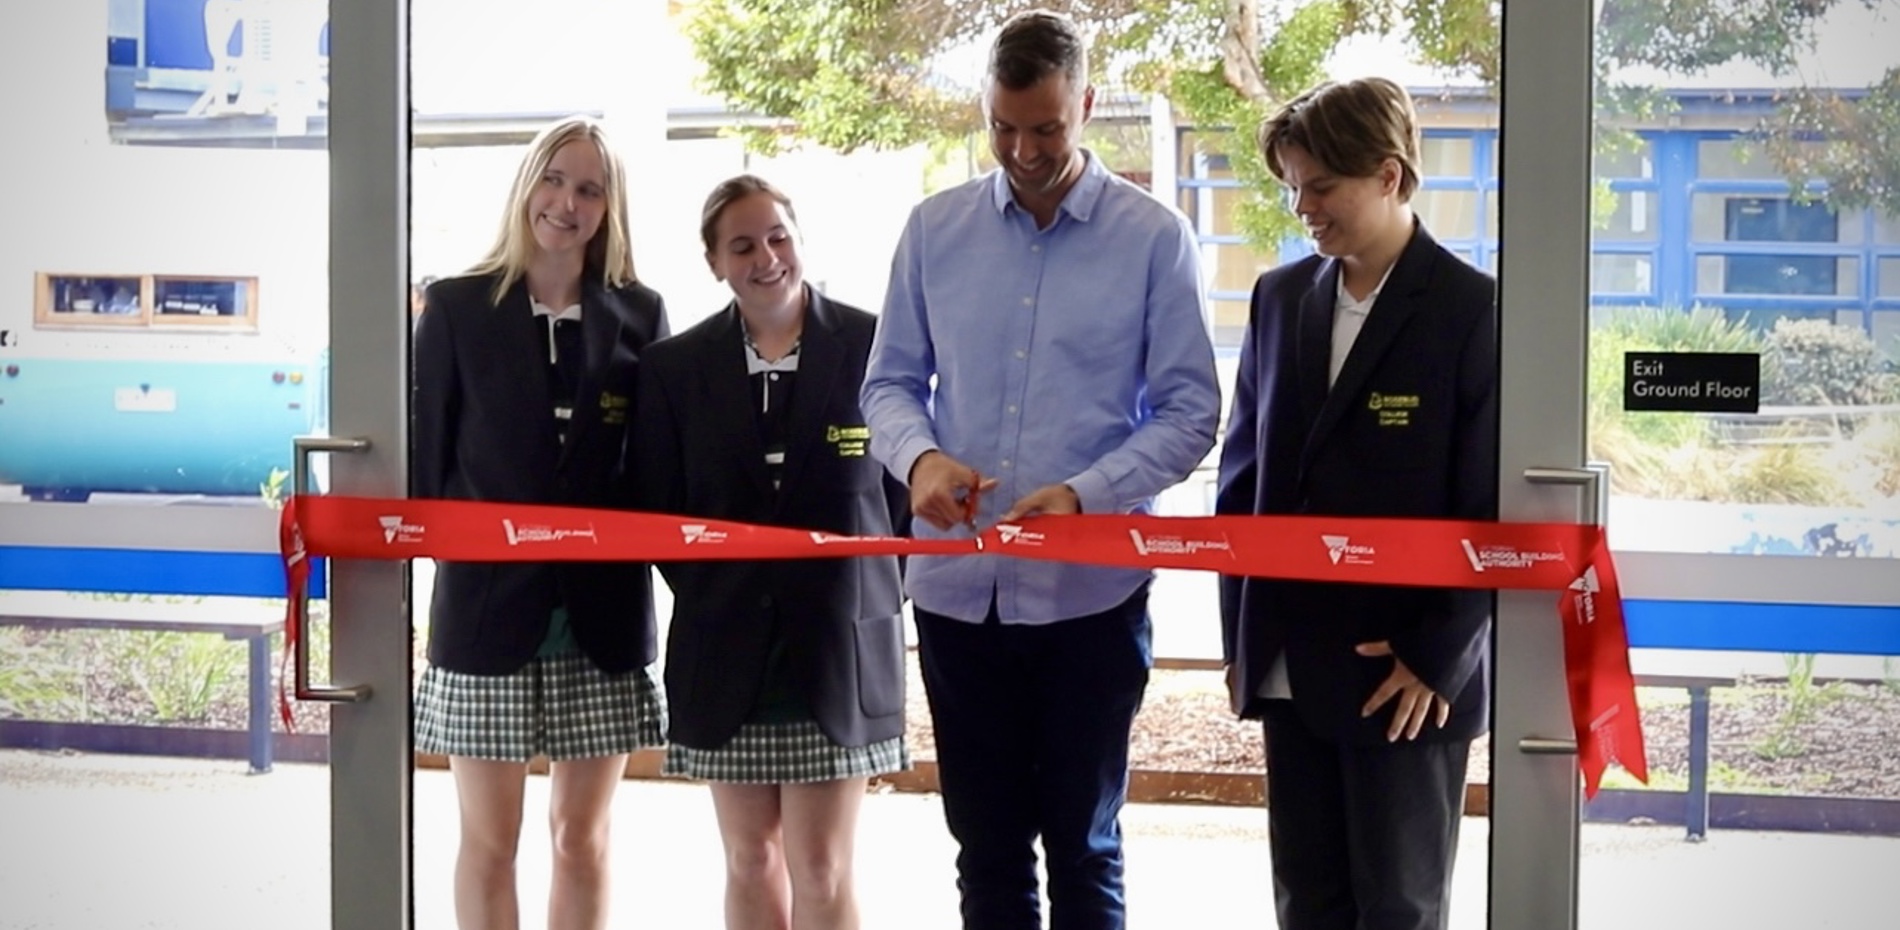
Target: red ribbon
(1567,557)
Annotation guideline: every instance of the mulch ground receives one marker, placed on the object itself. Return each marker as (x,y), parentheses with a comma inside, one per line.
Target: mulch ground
(1841,740)
(1848,747)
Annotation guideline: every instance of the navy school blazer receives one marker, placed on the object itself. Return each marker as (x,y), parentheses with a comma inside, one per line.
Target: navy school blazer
(699,454)
(484,430)
(1409,429)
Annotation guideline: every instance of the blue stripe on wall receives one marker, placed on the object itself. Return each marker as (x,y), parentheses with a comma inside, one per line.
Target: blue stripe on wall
(1652,624)
(1764,627)
(142,571)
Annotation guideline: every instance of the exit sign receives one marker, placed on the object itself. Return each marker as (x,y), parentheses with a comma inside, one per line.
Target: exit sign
(1692,382)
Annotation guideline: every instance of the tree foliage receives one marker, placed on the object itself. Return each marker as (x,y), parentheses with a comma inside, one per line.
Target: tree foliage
(851,74)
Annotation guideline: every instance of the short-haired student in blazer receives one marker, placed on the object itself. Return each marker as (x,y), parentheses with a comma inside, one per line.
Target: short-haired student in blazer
(525,372)
(784,679)
(1367,387)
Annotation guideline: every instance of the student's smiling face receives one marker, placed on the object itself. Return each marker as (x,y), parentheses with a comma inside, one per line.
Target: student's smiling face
(570,200)
(755,251)
(1344,215)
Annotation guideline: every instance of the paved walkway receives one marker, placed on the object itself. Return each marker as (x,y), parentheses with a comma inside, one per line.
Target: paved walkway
(105,842)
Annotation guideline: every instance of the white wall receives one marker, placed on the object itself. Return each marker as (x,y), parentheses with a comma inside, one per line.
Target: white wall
(81,205)
(265,212)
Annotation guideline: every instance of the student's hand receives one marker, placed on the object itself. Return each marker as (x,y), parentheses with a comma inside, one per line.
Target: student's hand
(1050,499)
(940,490)
(1416,701)
(1235,699)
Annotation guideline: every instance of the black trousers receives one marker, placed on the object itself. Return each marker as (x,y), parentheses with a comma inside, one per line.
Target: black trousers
(1032,727)
(1362,837)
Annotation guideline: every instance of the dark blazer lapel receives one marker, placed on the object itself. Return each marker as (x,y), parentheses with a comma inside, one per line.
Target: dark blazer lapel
(1316,338)
(733,411)
(522,368)
(602,316)
(1401,298)
(821,354)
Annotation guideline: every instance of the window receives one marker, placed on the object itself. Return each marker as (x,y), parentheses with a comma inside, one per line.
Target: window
(1796,275)
(1446,156)
(1886,229)
(1449,214)
(1617,273)
(1622,163)
(1635,219)
(81,301)
(1734,159)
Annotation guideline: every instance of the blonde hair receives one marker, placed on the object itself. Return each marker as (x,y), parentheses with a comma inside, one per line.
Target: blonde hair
(1350,128)
(609,253)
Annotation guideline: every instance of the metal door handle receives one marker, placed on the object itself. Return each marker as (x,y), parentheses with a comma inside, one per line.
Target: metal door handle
(1542,746)
(300,486)
(1593,478)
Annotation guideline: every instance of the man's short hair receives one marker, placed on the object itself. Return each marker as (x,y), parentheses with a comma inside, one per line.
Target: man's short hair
(1350,128)
(1035,44)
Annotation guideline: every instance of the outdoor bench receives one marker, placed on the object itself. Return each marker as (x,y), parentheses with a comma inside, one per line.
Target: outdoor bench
(253,624)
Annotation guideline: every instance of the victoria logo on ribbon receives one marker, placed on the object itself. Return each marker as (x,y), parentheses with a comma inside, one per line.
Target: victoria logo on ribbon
(1151,544)
(1587,587)
(1342,551)
(701,534)
(1012,535)
(1497,556)
(396,531)
(524,534)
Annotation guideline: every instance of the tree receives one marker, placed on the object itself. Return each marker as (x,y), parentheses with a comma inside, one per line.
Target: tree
(850,74)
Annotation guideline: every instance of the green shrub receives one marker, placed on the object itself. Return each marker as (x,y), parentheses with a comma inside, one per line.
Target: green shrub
(1819,363)
(182,675)
(36,680)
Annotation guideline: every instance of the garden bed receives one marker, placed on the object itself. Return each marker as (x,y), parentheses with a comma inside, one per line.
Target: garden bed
(1759,743)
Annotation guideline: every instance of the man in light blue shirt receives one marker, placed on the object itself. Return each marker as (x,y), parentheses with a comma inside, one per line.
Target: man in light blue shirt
(1042,343)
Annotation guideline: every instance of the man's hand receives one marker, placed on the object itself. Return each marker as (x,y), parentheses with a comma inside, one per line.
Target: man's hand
(1416,701)
(1050,499)
(939,487)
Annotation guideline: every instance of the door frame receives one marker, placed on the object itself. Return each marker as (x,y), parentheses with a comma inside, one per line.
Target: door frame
(1544,139)
(371,759)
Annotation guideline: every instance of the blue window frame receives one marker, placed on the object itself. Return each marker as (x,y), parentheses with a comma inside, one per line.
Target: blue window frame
(1694,223)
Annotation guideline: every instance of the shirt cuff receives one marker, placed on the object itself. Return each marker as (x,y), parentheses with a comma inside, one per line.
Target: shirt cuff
(1093,493)
(907,455)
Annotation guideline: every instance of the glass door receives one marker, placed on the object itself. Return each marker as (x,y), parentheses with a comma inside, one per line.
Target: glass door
(205,262)
(1654,208)
(1757,545)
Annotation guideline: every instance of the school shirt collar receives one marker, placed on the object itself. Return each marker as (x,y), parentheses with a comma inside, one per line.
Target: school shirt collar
(572,312)
(1079,202)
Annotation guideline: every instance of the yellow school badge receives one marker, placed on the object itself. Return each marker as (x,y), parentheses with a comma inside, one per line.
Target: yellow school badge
(1393,409)
(613,407)
(850,440)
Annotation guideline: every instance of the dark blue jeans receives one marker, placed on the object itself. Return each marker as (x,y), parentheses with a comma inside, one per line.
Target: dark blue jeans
(1032,728)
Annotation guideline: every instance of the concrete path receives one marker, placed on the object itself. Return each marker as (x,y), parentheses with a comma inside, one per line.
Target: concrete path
(105,842)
